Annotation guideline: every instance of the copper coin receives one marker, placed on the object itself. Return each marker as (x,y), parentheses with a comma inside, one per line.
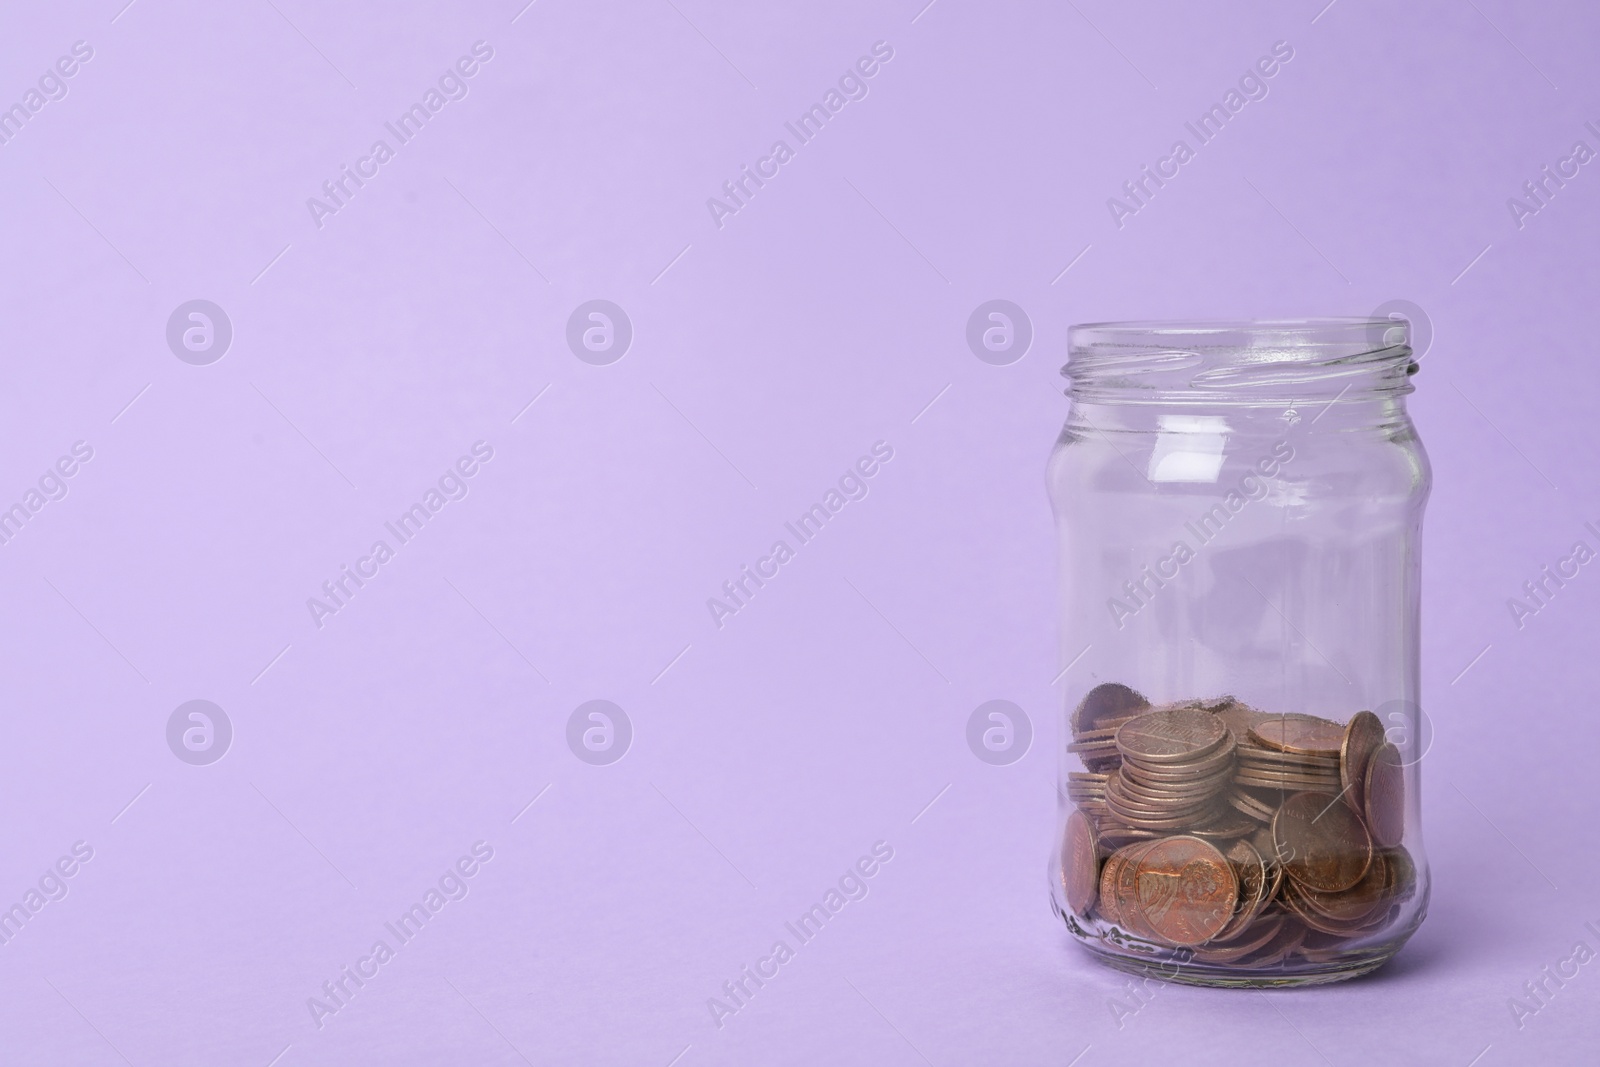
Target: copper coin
(1320,842)
(1262,770)
(1329,774)
(1356,904)
(1226,825)
(1218,761)
(1266,845)
(1300,734)
(1172,735)
(1187,890)
(1253,938)
(1127,889)
(1254,882)
(1361,739)
(1251,806)
(1133,783)
(1158,818)
(1290,935)
(1080,868)
(1109,700)
(1402,875)
(1106,901)
(1257,756)
(1384,796)
(1295,898)
(1287,784)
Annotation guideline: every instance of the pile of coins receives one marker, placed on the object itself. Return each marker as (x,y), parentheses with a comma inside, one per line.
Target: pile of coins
(1244,836)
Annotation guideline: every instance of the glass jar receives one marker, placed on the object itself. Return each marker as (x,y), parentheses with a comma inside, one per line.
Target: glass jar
(1239,508)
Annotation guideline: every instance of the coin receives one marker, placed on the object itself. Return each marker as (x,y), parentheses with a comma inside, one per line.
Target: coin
(1402,875)
(1254,938)
(1356,904)
(1109,700)
(1186,890)
(1252,806)
(1299,733)
(1361,739)
(1320,842)
(1216,762)
(1251,752)
(1384,796)
(1106,901)
(1239,718)
(1280,948)
(1295,897)
(1203,787)
(1173,735)
(1216,827)
(1080,875)
(1286,783)
(1226,825)
(1253,885)
(1127,889)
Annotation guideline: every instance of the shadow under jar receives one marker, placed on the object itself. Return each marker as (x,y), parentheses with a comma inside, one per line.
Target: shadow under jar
(1239,511)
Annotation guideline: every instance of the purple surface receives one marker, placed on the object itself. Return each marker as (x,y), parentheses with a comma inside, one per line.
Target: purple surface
(769,353)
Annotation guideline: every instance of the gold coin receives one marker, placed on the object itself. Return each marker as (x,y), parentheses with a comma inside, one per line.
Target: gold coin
(1300,734)
(1320,842)
(1361,739)
(1172,735)
(1384,799)
(1080,874)
(1186,890)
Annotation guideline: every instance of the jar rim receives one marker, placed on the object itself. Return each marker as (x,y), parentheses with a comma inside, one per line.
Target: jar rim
(1251,359)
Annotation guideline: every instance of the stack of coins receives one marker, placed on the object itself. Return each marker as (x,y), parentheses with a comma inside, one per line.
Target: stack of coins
(1176,762)
(1291,753)
(1252,839)
(1087,791)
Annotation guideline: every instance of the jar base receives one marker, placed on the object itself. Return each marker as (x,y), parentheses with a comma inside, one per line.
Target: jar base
(1136,956)
(1195,973)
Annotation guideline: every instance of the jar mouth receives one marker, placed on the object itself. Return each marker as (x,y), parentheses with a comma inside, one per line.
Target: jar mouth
(1243,361)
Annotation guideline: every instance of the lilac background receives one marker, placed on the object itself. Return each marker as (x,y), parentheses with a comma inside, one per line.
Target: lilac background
(768,355)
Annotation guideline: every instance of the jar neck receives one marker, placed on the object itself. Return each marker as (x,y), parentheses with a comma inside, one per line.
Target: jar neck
(1381,415)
